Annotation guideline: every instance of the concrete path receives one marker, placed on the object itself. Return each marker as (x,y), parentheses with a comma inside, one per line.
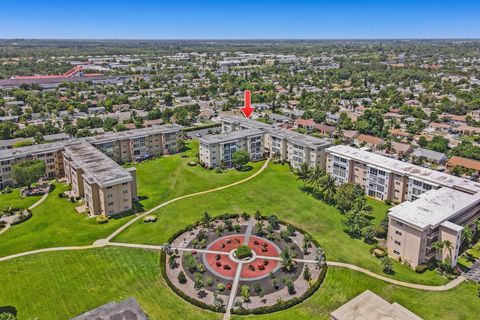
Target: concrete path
(448,286)
(18,255)
(8,225)
(233,293)
(129,223)
(474,273)
(248,232)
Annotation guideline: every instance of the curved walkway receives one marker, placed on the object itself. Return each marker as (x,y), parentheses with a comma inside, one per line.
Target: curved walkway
(18,255)
(126,225)
(30,208)
(445,287)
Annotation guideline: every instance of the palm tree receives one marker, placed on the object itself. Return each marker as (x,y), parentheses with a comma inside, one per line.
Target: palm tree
(316,176)
(447,244)
(303,174)
(287,262)
(467,236)
(329,187)
(206,219)
(438,246)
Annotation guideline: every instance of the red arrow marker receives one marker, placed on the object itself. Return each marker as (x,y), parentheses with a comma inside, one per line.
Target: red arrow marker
(247,109)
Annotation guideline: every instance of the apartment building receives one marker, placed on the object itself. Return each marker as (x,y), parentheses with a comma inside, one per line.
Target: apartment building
(434,206)
(90,164)
(216,150)
(388,179)
(436,216)
(291,146)
(139,144)
(106,187)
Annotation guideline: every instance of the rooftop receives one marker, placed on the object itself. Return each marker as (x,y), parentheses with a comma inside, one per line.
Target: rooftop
(97,166)
(125,310)
(135,133)
(368,305)
(407,169)
(433,207)
(230,136)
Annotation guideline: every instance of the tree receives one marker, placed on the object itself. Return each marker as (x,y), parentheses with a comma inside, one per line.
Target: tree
(240,158)
(245,292)
(357,219)
(467,236)
(329,188)
(287,261)
(387,265)
(346,194)
(306,273)
(316,176)
(303,174)
(198,281)
(206,219)
(167,98)
(28,172)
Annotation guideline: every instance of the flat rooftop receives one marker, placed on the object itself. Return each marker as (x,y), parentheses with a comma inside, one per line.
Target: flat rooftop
(368,305)
(128,309)
(433,207)
(295,137)
(405,168)
(97,166)
(230,136)
(133,134)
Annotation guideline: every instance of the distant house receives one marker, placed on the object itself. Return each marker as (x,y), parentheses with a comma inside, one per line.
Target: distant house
(399,133)
(439,127)
(151,123)
(125,310)
(465,130)
(308,124)
(56,137)
(401,148)
(369,141)
(463,163)
(277,118)
(430,156)
(325,129)
(350,135)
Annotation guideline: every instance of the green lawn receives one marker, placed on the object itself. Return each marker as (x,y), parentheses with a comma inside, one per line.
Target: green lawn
(13,199)
(55,223)
(59,285)
(275,191)
(468,257)
(168,177)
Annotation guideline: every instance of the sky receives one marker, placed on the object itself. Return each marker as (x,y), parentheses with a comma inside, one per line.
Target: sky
(248,19)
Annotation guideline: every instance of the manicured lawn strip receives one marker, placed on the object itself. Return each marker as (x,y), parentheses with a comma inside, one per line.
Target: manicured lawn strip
(55,223)
(275,191)
(168,177)
(474,252)
(13,199)
(341,285)
(60,285)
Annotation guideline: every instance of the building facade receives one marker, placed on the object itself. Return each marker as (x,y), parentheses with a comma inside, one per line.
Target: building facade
(90,164)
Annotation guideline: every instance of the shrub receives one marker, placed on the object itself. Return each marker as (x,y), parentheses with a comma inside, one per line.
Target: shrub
(246,216)
(26,214)
(218,170)
(151,218)
(421,268)
(182,278)
(7,190)
(192,163)
(102,219)
(369,234)
(220,287)
(243,252)
(387,265)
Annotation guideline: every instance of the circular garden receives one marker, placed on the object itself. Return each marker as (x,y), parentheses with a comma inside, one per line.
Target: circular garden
(251,264)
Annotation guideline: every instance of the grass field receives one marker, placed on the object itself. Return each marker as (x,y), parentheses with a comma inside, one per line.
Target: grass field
(275,191)
(13,199)
(55,222)
(59,285)
(165,178)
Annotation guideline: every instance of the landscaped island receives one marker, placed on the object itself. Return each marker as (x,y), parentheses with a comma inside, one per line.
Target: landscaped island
(250,265)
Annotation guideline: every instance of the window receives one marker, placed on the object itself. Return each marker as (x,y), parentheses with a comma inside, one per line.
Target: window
(397,242)
(110,187)
(399,223)
(396,252)
(398,232)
